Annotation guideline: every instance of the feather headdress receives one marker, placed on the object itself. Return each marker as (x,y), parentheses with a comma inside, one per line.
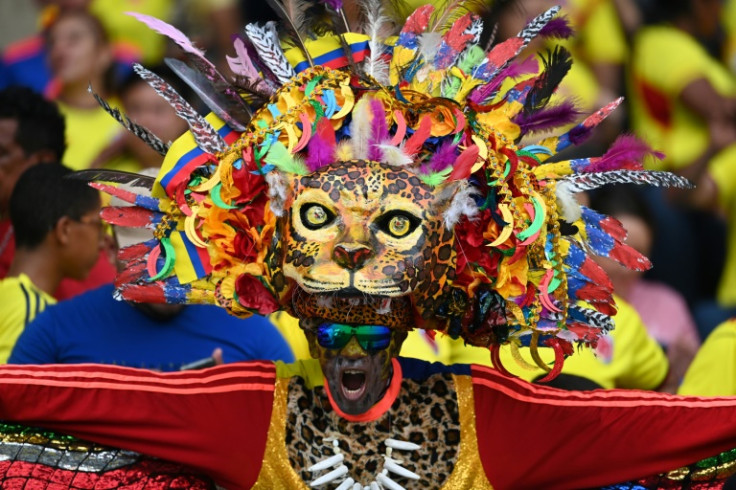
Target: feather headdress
(436,105)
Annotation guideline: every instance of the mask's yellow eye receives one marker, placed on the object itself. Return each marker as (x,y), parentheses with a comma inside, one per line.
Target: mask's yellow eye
(399,225)
(315,216)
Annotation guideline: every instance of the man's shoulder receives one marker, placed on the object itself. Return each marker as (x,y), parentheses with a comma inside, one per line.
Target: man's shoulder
(419,370)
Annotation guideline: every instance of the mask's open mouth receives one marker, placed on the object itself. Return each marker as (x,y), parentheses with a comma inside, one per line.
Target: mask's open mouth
(352,383)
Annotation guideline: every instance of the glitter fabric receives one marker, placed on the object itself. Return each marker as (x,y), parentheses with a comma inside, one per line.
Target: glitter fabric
(708,473)
(467,472)
(37,458)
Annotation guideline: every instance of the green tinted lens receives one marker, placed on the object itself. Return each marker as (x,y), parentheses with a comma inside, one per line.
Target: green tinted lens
(334,335)
(372,338)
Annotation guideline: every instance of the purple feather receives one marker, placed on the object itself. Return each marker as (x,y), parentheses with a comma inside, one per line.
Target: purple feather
(379,131)
(627,152)
(547,118)
(333,4)
(512,70)
(558,28)
(443,157)
(321,146)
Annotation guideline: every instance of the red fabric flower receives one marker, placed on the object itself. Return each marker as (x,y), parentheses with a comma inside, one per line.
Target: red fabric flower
(245,247)
(252,294)
(471,247)
(249,184)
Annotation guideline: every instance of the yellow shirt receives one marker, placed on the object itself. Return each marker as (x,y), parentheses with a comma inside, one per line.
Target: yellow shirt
(599,37)
(637,360)
(713,371)
(88,132)
(658,75)
(729,25)
(21,303)
(722,169)
(128,33)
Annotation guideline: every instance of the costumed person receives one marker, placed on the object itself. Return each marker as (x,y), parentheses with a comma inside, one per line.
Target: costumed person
(369,192)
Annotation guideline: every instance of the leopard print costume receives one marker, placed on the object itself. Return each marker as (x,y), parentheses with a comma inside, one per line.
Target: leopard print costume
(425,413)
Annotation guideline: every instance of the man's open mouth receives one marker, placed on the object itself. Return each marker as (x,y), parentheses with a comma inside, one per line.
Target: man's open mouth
(352,383)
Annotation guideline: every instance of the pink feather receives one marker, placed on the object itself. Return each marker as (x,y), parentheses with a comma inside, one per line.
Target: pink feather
(627,152)
(169,31)
(379,131)
(241,64)
(321,148)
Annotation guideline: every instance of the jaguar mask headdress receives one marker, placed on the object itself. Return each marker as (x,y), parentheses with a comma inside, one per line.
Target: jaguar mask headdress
(407,181)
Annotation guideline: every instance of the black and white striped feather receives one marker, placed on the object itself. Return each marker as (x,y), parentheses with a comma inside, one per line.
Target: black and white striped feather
(115,177)
(142,132)
(587,182)
(204,134)
(266,41)
(595,318)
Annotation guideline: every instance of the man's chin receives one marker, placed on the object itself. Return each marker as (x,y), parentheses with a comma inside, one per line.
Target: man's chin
(355,406)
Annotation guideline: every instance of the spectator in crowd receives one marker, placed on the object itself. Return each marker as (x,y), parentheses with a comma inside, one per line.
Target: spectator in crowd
(687,111)
(713,371)
(95,328)
(663,310)
(144,106)
(25,62)
(58,234)
(80,57)
(31,131)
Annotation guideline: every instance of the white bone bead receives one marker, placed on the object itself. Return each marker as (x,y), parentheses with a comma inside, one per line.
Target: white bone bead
(399,470)
(327,463)
(388,482)
(402,445)
(346,485)
(332,475)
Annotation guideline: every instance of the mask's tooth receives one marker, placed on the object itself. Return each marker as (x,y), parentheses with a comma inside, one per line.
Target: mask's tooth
(354,301)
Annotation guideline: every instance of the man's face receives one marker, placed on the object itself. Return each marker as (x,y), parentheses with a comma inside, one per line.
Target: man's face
(357,377)
(13,162)
(86,239)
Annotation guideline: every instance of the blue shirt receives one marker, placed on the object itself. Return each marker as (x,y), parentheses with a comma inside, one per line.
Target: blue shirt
(95,328)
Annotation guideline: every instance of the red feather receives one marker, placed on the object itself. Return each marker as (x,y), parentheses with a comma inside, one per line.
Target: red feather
(132,216)
(629,257)
(464,163)
(416,140)
(419,20)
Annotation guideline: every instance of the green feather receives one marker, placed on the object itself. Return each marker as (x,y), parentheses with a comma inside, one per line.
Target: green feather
(280,157)
(436,178)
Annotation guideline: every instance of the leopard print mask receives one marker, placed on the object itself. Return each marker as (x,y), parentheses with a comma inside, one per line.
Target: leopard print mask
(362,242)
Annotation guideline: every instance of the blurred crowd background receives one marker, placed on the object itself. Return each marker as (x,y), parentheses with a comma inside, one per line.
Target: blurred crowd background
(673,61)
